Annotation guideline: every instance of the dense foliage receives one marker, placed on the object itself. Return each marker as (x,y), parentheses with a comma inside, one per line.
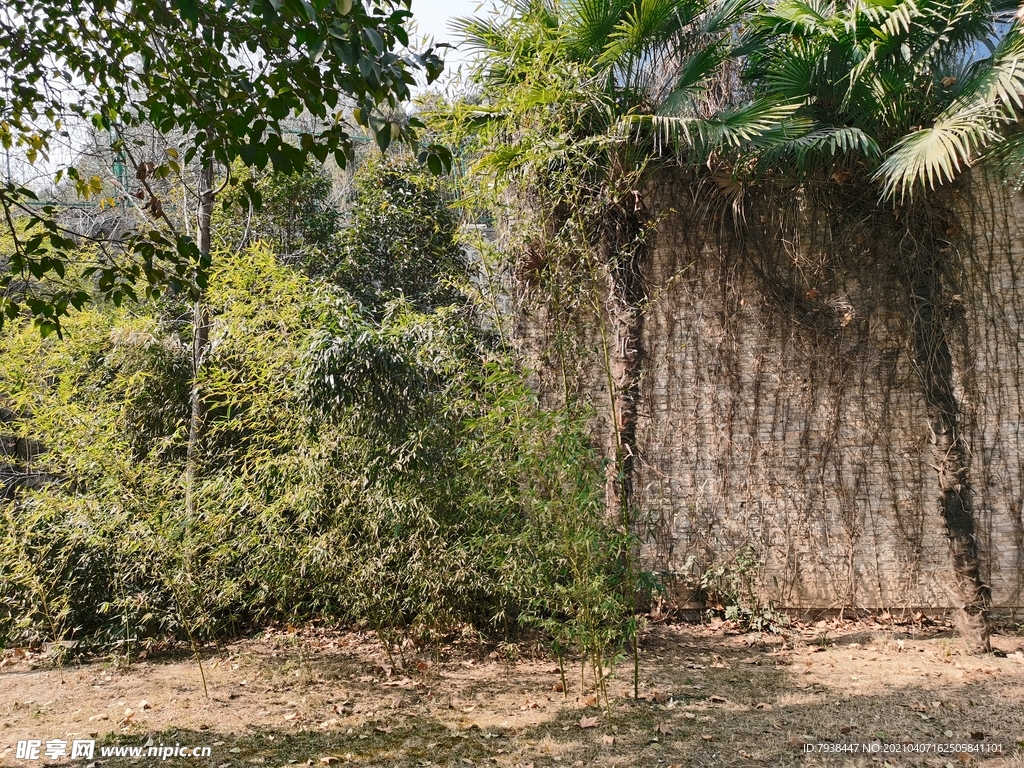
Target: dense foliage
(219,80)
(330,432)
(377,463)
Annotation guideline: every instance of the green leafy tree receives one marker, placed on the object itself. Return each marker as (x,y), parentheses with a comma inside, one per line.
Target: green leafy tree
(220,77)
(401,241)
(299,217)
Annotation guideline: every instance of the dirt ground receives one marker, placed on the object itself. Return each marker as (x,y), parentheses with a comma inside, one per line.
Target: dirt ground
(709,697)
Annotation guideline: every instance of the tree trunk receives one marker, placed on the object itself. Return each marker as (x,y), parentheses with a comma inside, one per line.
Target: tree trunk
(626,296)
(200,339)
(950,452)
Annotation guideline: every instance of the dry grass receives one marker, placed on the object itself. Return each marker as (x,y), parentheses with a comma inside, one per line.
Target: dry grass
(708,698)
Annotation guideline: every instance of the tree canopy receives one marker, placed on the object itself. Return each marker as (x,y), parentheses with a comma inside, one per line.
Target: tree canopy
(219,77)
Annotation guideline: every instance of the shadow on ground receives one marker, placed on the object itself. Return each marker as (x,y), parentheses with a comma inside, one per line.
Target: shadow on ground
(707,699)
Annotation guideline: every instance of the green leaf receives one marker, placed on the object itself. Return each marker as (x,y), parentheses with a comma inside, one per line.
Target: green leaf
(383,136)
(308,9)
(189,10)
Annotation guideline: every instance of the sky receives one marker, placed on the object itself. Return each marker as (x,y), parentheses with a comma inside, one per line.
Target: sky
(432,17)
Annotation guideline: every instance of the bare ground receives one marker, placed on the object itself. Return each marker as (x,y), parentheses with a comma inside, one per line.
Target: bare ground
(709,697)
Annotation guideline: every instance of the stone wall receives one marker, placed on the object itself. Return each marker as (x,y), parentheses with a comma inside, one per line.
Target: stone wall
(782,406)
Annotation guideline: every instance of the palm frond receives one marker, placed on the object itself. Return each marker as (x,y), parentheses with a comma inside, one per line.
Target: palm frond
(647,24)
(724,15)
(729,130)
(997,81)
(802,18)
(818,146)
(898,20)
(935,155)
(590,23)
(694,73)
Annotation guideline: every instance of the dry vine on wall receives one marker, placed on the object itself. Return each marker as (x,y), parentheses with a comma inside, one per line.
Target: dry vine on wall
(802,379)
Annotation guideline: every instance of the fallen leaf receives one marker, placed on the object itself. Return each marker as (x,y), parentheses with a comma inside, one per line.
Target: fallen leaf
(590,701)
(383,729)
(707,737)
(558,687)
(717,700)
(663,728)
(797,742)
(589,722)
(291,715)
(608,739)
(765,706)
(328,759)
(144,704)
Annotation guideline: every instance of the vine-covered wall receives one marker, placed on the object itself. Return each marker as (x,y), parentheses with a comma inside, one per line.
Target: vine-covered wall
(783,402)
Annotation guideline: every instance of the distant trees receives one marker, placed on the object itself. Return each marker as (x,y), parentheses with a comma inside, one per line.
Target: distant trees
(401,240)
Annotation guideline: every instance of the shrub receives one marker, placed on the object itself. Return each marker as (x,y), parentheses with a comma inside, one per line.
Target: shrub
(394,473)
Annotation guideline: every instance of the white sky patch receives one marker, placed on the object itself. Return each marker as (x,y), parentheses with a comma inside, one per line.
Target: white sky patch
(433,19)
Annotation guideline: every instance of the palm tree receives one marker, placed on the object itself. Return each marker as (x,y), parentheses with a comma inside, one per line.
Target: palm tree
(904,97)
(922,88)
(577,99)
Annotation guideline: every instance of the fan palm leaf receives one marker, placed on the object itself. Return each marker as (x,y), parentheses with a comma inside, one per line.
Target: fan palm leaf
(985,109)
